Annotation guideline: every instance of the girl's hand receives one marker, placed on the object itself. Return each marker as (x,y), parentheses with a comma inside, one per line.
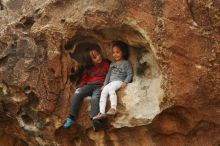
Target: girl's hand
(123,85)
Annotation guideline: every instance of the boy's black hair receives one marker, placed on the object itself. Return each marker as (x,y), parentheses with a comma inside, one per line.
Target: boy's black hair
(123,47)
(88,61)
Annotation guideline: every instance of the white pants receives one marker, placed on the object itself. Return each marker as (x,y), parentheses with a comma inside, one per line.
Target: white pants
(110,89)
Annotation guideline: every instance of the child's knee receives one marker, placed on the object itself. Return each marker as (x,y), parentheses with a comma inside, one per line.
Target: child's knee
(112,94)
(77,91)
(104,92)
(94,99)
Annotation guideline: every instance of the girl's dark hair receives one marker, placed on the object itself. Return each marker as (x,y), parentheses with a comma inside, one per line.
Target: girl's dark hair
(88,60)
(123,47)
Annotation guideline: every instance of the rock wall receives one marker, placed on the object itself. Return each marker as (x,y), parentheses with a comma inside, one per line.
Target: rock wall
(174,46)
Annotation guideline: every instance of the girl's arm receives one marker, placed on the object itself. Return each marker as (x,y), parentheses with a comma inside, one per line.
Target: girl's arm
(129,73)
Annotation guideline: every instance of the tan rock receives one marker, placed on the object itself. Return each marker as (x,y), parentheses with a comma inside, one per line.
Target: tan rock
(174,47)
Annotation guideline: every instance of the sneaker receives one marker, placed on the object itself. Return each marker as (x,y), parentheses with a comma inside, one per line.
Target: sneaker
(68,123)
(96,124)
(111,112)
(100,116)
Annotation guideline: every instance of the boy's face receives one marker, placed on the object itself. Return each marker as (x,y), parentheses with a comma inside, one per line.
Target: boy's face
(96,57)
(117,54)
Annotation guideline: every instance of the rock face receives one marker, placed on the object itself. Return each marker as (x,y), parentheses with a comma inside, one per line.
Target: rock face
(175,54)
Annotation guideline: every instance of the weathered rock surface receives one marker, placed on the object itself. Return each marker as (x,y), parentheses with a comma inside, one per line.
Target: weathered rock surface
(175,53)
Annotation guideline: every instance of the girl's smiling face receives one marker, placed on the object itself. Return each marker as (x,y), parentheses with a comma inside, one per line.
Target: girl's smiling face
(117,54)
(96,57)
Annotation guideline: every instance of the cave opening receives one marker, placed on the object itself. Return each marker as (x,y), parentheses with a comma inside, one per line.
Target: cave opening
(141,56)
(147,77)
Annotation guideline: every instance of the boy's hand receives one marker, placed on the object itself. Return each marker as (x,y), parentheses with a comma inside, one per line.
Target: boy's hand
(123,85)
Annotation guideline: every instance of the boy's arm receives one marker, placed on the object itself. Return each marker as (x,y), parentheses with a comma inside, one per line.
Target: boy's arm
(107,76)
(83,79)
(129,72)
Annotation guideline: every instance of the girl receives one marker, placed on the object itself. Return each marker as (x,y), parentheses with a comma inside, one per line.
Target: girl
(119,75)
(90,85)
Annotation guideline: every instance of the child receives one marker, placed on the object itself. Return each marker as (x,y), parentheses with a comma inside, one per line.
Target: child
(119,75)
(90,85)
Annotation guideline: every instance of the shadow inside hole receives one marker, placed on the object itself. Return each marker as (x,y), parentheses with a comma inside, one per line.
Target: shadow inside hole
(25,23)
(70,44)
(10,107)
(27,90)
(79,53)
(142,65)
(32,97)
(141,69)
(33,100)
(27,119)
(28,22)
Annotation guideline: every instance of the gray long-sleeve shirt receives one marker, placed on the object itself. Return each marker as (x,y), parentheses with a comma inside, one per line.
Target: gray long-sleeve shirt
(119,71)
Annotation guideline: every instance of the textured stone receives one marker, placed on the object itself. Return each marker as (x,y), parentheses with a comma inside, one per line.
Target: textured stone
(174,51)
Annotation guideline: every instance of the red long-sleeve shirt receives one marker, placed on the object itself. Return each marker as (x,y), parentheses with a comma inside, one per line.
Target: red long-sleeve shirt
(95,75)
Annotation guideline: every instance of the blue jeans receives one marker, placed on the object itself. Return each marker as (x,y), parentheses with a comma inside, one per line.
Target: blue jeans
(87,90)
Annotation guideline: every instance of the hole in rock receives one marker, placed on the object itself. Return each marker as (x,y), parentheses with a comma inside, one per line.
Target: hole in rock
(27,90)
(141,55)
(70,44)
(28,22)
(11,108)
(33,100)
(147,77)
(62,20)
(27,119)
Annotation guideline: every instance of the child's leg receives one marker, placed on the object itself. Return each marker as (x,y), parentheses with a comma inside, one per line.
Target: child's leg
(77,98)
(95,101)
(113,87)
(103,99)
